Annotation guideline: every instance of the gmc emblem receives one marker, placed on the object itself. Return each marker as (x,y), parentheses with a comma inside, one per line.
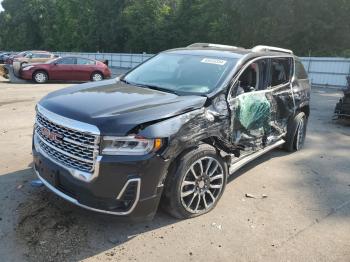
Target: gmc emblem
(51,135)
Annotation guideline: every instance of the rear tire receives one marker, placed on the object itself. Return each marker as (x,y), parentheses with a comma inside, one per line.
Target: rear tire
(96,76)
(40,77)
(196,183)
(296,133)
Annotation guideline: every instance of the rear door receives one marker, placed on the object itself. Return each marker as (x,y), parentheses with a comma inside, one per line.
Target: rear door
(63,69)
(301,85)
(281,72)
(84,69)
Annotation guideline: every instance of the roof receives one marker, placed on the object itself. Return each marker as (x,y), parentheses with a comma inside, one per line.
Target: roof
(226,51)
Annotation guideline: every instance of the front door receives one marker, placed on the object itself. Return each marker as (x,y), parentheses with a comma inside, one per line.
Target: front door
(250,104)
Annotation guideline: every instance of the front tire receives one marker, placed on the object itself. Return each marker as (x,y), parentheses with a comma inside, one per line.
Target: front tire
(196,184)
(40,77)
(96,76)
(296,133)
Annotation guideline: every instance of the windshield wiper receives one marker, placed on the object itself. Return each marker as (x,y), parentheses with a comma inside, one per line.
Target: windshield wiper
(124,81)
(158,88)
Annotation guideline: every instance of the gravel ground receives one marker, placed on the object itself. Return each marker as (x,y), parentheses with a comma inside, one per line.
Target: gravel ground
(305,216)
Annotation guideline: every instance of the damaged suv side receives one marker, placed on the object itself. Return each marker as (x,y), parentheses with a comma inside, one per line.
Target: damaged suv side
(171,130)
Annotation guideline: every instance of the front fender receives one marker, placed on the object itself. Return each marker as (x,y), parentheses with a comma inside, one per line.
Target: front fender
(187,130)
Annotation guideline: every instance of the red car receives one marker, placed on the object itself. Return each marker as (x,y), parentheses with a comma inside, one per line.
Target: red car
(66,69)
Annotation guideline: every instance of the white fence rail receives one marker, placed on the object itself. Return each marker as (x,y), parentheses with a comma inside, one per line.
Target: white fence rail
(327,71)
(323,71)
(121,60)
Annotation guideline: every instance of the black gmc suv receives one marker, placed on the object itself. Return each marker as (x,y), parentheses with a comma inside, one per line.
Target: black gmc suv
(171,130)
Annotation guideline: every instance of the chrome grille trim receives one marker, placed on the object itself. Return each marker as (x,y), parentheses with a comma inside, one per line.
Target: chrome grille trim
(78,151)
(67,122)
(61,151)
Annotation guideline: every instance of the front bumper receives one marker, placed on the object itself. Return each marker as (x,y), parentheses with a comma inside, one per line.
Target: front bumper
(27,74)
(130,188)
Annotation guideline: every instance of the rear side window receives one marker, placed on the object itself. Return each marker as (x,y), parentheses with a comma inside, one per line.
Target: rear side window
(280,71)
(83,61)
(66,61)
(41,55)
(300,70)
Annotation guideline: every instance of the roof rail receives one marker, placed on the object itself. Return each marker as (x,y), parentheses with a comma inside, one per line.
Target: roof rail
(264,48)
(212,45)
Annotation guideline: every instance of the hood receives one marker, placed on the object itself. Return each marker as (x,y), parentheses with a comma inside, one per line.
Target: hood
(115,107)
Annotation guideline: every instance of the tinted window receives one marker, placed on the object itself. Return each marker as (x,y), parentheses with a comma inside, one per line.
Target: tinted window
(300,70)
(280,71)
(182,72)
(66,61)
(253,78)
(83,61)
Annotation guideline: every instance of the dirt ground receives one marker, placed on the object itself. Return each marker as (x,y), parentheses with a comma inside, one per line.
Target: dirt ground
(305,216)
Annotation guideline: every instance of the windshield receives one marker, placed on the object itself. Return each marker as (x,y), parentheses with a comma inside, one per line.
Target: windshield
(182,73)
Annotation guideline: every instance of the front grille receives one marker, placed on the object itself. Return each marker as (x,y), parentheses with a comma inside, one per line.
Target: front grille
(74,149)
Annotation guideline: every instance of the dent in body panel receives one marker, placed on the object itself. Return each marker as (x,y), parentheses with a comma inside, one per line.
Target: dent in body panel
(302,93)
(260,118)
(188,130)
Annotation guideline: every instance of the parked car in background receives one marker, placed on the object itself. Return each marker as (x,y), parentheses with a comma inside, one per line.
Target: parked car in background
(66,69)
(3,57)
(34,57)
(342,108)
(11,58)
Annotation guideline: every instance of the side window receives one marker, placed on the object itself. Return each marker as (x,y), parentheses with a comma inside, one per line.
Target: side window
(45,55)
(280,71)
(253,78)
(83,61)
(41,55)
(300,70)
(66,61)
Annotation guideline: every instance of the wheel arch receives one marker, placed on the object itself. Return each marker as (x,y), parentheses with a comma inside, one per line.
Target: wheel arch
(305,109)
(175,160)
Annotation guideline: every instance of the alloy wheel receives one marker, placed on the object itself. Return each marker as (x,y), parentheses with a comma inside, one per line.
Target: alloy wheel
(40,77)
(97,77)
(202,185)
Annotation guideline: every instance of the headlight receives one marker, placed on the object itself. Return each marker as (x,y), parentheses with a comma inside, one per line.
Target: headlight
(27,68)
(129,145)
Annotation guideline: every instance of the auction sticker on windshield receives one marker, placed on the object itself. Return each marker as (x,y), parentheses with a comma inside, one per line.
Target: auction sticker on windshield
(213,61)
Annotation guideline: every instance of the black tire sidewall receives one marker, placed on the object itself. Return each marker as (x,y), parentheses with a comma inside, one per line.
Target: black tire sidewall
(173,187)
(300,118)
(291,137)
